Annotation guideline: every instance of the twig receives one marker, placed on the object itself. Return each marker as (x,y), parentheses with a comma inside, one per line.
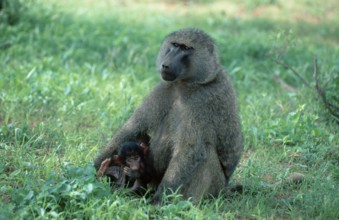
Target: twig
(286,66)
(333,109)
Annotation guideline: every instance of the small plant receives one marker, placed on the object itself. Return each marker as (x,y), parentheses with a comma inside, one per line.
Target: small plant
(72,187)
(285,41)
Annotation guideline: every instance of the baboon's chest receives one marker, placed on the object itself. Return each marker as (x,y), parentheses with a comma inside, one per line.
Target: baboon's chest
(166,134)
(166,130)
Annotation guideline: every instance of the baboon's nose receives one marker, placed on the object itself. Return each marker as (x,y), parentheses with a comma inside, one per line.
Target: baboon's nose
(165,67)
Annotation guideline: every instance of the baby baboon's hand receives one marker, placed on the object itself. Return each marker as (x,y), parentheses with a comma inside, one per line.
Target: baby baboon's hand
(103,167)
(127,171)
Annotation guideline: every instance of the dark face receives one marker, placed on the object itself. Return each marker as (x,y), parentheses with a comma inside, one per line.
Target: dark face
(176,61)
(134,163)
(131,155)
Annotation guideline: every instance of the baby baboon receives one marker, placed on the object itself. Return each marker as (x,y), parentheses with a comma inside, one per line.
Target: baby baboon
(191,117)
(131,167)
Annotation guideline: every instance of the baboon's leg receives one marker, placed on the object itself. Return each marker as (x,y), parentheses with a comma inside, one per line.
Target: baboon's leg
(208,180)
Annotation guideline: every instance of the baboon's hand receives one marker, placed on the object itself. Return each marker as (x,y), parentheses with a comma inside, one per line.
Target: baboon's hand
(156,200)
(127,171)
(103,167)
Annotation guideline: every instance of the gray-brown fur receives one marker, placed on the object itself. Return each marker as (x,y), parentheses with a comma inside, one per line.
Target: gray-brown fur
(191,118)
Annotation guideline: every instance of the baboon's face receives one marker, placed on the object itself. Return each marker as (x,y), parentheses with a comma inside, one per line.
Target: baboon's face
(133,161)
(176,61)
(188,55)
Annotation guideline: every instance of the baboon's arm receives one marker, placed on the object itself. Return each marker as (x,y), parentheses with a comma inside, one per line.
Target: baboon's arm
(136,185)
(103,167)
(149,113)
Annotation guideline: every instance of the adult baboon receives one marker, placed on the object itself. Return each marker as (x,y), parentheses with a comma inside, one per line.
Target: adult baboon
(191,118)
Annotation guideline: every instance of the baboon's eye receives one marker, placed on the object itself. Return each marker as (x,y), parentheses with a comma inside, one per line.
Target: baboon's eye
(181,46)
(175,45)
(184,47)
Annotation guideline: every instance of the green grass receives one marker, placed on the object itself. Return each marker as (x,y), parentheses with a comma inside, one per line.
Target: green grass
(71,73)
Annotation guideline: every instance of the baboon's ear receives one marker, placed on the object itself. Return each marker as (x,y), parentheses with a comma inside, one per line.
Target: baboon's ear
(117,160)
(144,148)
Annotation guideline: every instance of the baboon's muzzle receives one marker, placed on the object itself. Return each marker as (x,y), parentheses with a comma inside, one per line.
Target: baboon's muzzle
(173,64)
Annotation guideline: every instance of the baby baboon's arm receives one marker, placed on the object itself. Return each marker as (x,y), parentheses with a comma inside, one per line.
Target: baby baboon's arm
(103,167)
